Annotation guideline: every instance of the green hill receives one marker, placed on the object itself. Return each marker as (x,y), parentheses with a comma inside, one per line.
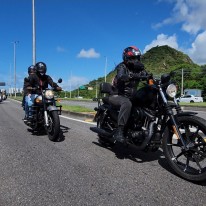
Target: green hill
(159,60)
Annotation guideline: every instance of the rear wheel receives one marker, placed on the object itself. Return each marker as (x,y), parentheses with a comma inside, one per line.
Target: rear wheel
(103,140)
(53,128)
(191,163)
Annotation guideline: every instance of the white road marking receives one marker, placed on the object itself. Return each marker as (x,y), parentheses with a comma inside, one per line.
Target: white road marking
(78,120)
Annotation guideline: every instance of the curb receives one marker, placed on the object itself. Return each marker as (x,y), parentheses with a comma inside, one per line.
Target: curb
(194,108)
(84,115)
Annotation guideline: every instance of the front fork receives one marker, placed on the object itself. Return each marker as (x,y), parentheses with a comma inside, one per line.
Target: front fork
(173,122)
(46,118)
(45,114)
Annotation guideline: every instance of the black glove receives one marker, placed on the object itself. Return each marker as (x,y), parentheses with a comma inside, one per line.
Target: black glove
(129,91)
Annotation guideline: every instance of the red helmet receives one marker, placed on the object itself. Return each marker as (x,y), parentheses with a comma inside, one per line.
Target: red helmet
(131,52)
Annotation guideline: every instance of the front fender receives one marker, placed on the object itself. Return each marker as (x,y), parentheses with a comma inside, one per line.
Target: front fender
(181,114)
(52,108)
(186,114)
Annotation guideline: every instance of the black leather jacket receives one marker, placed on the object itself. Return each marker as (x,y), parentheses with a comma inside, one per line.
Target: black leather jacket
(41,82)
(124,77)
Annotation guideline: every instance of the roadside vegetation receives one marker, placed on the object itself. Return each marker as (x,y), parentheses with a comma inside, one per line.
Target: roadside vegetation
(78,109)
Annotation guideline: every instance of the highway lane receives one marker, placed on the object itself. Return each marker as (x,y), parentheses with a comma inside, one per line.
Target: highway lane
(77,171)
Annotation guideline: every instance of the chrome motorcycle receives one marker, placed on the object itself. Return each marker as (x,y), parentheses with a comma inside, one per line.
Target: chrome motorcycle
(45,114)
(157,121)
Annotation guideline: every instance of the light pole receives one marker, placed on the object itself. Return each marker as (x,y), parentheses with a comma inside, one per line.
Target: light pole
(105,70)
(182,90)
(14,43)
(34,33)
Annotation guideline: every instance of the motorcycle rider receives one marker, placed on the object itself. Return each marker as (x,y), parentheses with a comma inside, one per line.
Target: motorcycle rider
(27,91)
(40,81)
(126,86)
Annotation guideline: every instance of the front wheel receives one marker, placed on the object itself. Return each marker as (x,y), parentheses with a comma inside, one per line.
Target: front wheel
(191,163)
(53,128)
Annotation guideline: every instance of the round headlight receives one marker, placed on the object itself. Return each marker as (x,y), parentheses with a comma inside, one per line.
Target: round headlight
(49,94)
(38,99)
(171,90)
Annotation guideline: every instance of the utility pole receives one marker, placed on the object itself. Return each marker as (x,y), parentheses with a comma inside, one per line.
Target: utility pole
(34,33)
(105,70)
(182,82)
(14,43)
(70,96)
(96,89)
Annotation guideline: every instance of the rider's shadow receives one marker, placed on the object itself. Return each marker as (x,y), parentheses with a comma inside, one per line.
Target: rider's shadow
(130,152)
(42,132)
(63,130)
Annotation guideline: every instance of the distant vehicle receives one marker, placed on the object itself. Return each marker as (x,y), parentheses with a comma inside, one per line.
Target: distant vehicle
(189,99)
(195,92)
(79,97)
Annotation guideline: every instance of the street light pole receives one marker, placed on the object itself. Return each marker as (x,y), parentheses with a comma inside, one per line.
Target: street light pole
(105,70)
(34,33)
(15,42)
(182,88)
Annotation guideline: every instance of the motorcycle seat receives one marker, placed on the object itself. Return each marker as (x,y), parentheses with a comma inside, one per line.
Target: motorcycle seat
(106,101)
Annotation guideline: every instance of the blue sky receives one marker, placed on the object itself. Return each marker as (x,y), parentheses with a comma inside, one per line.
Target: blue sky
(75,37)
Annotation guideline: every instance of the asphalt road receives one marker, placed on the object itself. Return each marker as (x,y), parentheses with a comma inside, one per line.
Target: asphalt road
(78,171)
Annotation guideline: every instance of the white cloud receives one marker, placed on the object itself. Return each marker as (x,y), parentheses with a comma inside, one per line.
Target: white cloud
(191,13)
(198,50)
(161,40)
(74,82)
(60,49)
(91,53)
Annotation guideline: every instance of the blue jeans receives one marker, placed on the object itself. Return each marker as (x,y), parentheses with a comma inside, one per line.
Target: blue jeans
(29,102)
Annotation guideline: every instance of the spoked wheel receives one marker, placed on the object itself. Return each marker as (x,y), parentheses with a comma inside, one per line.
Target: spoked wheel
(53,129)
(191,163)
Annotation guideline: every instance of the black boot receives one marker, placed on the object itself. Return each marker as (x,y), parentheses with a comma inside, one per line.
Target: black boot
(119,134)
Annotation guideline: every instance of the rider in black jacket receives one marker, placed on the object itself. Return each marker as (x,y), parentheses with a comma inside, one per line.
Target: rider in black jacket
(39,82)
(125,84)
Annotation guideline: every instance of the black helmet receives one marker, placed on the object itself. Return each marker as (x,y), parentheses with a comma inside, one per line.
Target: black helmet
(41,68)
(31,69)
(131,53)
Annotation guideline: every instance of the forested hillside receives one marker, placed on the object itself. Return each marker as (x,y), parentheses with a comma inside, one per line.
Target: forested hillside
(160,60)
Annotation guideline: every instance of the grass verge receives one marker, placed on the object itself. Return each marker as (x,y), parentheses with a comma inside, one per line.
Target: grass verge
(79,109)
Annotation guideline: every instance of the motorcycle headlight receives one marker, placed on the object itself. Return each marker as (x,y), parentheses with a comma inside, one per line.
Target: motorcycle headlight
(38,99)
(49,94)
(171,90)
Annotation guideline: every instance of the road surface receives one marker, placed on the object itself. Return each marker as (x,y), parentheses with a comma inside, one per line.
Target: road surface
(77,171)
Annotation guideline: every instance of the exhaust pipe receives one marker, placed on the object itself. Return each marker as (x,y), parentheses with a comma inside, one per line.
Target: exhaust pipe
(101,131)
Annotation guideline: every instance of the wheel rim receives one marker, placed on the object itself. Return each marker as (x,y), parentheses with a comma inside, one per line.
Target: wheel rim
(50,128)
(193,161)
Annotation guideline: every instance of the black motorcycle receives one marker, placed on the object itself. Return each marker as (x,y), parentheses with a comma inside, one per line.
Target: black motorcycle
(45,114)
(157,121)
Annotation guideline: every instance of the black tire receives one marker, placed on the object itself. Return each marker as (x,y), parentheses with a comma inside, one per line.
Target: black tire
(104,141)
(190,164)
(192,101)
(53,129)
